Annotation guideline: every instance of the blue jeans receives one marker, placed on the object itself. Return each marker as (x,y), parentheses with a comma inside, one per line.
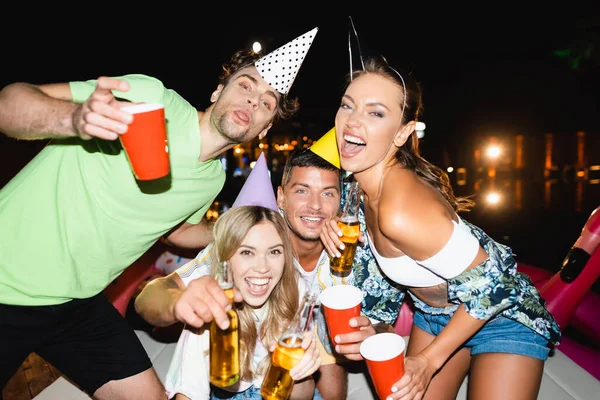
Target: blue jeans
(252,393)
(498,335)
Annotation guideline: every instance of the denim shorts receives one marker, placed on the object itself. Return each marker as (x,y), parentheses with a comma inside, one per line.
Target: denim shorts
(498,335)
(252,393)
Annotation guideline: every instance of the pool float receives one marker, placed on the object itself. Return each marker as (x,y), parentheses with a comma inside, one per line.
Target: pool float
(122,289)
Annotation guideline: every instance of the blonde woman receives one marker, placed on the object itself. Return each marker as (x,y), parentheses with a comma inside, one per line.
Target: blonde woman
(254,240)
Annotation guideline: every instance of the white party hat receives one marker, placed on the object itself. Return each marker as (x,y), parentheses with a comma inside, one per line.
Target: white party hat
(280,67)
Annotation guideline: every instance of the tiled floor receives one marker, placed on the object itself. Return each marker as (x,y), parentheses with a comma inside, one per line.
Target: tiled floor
(34,375)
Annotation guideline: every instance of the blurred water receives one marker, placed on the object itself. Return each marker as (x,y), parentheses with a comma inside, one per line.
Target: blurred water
(540,221)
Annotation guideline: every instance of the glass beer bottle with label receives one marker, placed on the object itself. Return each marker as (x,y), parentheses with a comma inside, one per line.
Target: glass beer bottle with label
(278,383)
(350,227)
(224,343)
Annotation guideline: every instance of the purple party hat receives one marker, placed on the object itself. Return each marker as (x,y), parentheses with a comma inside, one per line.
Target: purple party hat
(258,189)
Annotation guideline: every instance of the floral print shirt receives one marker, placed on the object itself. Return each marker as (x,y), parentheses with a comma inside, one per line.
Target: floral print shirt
(496,288)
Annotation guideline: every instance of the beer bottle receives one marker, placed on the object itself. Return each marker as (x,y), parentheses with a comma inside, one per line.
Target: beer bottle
(224,343)
(278,384)
(350,227)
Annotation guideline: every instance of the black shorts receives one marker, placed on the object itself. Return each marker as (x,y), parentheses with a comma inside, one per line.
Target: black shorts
(87,340)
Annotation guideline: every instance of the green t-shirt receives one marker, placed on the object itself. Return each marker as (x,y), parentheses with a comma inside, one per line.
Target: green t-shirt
(75,217)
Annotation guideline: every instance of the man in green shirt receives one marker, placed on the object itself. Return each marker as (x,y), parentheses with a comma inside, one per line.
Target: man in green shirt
(75,217)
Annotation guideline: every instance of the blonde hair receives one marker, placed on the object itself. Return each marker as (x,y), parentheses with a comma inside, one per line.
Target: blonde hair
(229,232)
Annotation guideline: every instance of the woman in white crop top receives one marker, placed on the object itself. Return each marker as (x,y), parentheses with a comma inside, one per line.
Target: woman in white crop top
(474,313)
(252,239)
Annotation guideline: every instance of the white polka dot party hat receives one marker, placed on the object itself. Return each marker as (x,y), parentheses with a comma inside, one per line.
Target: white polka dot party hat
(280,67)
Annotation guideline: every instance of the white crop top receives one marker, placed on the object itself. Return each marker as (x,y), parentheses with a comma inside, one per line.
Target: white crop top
(449,262)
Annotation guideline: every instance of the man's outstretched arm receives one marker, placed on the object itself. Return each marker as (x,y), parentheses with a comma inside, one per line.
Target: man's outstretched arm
(31,112)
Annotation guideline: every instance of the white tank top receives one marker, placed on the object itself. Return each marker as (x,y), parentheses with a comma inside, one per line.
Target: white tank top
(450,261)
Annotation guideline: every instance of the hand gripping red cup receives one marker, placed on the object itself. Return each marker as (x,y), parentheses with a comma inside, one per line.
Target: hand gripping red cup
(145,141)
(384,355)
(340,303)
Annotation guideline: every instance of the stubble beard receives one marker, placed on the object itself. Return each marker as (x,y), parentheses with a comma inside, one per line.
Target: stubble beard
(224,126)
(299,235)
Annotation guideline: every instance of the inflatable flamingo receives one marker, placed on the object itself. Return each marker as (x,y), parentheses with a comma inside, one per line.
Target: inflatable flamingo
(122,289)
(569,299)
(580,270)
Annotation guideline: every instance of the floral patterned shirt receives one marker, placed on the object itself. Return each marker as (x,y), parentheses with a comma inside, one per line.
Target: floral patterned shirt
(496,288)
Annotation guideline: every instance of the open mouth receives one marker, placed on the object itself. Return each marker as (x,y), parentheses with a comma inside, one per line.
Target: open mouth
(352,145)
(314,220)
(257,286)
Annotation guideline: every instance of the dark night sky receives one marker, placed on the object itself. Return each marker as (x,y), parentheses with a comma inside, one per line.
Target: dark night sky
(482,71)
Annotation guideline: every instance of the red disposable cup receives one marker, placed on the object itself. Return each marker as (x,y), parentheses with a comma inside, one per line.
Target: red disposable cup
(340,303)
(384,355)
(145,141)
